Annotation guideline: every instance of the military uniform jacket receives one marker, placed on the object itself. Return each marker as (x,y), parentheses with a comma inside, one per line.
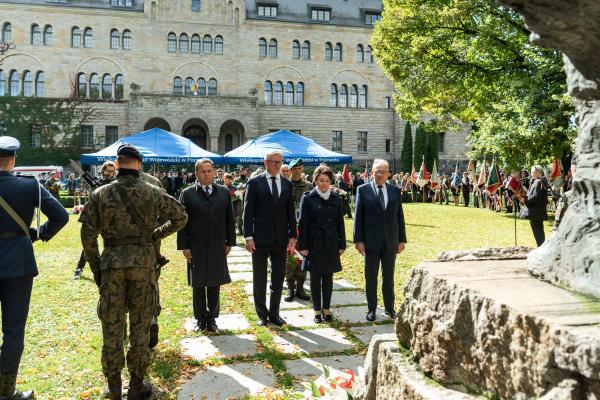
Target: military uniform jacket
(300,187)
(16,254)
(106,214)
(209,229)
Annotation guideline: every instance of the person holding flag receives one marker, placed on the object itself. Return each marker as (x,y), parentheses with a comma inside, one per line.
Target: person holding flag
(455,184)
(434,183)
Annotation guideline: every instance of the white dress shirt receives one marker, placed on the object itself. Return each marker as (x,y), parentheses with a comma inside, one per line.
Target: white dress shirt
(383,188)
(277,182)
(203,188)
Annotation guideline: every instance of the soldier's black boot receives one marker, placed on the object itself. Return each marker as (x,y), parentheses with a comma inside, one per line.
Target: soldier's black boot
(138,389)
(290,294)
(8,391)
(300,292)
(114,387)
(153,333)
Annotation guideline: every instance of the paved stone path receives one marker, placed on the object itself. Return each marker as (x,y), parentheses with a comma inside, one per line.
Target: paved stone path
(235,368)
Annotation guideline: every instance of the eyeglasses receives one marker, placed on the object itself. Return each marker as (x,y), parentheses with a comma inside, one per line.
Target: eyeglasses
(274,162)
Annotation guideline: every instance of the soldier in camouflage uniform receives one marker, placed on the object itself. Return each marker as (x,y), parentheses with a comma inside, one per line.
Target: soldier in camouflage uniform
(294,276)
(240,183)
(125,214)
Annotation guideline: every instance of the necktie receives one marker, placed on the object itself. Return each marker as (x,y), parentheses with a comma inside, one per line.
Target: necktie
(274,187)
(380,196)
(207,190)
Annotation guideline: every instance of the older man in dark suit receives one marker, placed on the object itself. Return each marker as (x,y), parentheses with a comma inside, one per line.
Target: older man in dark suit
(379,234)
(269,228)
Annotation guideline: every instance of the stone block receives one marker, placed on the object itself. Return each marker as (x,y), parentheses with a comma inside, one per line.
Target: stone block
(241,276)
(366,333)
(226,322)
(311,341)
(203,347)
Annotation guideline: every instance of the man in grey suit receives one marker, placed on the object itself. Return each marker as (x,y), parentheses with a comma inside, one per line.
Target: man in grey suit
(379,234)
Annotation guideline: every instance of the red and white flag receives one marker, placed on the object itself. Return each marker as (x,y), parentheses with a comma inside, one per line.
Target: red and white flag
(424,176)
(435,180)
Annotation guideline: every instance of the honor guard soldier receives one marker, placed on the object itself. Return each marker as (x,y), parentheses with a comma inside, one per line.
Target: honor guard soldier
(294,275)
(19,196)
(125,214)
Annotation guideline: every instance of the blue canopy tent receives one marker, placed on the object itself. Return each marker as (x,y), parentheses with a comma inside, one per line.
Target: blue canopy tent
(158,147)
(291,145)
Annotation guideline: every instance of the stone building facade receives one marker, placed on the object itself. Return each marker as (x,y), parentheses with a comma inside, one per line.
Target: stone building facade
(217,71)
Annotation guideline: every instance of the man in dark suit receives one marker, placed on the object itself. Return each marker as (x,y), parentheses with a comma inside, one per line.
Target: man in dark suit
(379,234)
(19,196)
(269,228)
(205,241)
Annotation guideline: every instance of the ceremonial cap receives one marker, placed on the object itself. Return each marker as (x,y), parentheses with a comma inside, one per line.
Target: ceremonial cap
(295,163)
(8,146)
(130,151)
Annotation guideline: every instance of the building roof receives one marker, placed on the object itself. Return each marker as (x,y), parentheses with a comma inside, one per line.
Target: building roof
(136,5)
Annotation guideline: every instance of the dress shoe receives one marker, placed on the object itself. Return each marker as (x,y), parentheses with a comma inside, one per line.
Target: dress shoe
(277,320)
(211,326)
(301,293)
(200,326)
(371,316)
(290,295)
(153,334)
(318,319)
(390,313)
(327,317)
(262,322)
(77,274)
(8,391)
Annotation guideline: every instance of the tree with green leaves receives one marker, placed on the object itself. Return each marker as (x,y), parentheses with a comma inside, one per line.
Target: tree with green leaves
(470,61)
(432,149)
(406,157)
(420,145)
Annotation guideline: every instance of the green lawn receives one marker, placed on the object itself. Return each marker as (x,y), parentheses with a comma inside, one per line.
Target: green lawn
(63,341)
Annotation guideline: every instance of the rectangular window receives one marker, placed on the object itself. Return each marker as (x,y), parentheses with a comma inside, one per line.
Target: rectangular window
(371,18)
(388,145)
(296,131)
(336,140)
(388,102)
(196,5)
(87,136)
(441,141)
(319,14)
(267,11)
(362,142)
(36,136)
(111,135)
(121,3)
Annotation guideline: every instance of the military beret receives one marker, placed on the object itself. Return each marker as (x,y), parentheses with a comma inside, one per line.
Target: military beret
(127,150)
(295,163)
(8,146)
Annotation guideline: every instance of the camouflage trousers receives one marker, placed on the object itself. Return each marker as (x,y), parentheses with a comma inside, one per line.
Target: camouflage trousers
(123,291)
(293,274)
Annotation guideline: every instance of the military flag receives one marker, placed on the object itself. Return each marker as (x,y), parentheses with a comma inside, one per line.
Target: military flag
(455,177)
(493,181)
(472,169)
(424,176)
(555,173)
(413,174)
(482,175)
(346,174)
(434,183)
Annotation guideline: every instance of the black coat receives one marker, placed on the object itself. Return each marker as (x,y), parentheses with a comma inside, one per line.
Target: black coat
(537,202)
(267,221)
(374,226)
(209,229)
(322,231)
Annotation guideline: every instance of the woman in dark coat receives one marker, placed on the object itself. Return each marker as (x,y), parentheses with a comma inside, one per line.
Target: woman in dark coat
(322,239)
(537,202)
(205,241)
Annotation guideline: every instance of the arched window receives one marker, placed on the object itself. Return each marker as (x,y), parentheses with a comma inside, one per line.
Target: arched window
(2,83)
(219,45)
(369,55)
(119,87)
(172,43)
(188,84)
(337,53)
(94,86)
(126,40)
(177,86)
(296,50)
(81,85)
(288,100)
(278,98)
(195,44)
(299,96)
(212,87)
(75,37)
(267,88)
(88,38)
(360,53)
(183,43)
(207,44)
(362,103)
(6,32)
(262,47)
(228,142)
(40,84)
(36,35)
(107,87)
(344,96)
(27,84)
(201,87)
(333,99)
(14,85)
(328,52)
(48,35)
(273,48)
(306,50)
(114,39)
(353,96)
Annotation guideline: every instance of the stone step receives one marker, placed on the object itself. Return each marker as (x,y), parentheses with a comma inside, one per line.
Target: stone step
(308,369)
(226,322)
(311,341)
(203,347)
